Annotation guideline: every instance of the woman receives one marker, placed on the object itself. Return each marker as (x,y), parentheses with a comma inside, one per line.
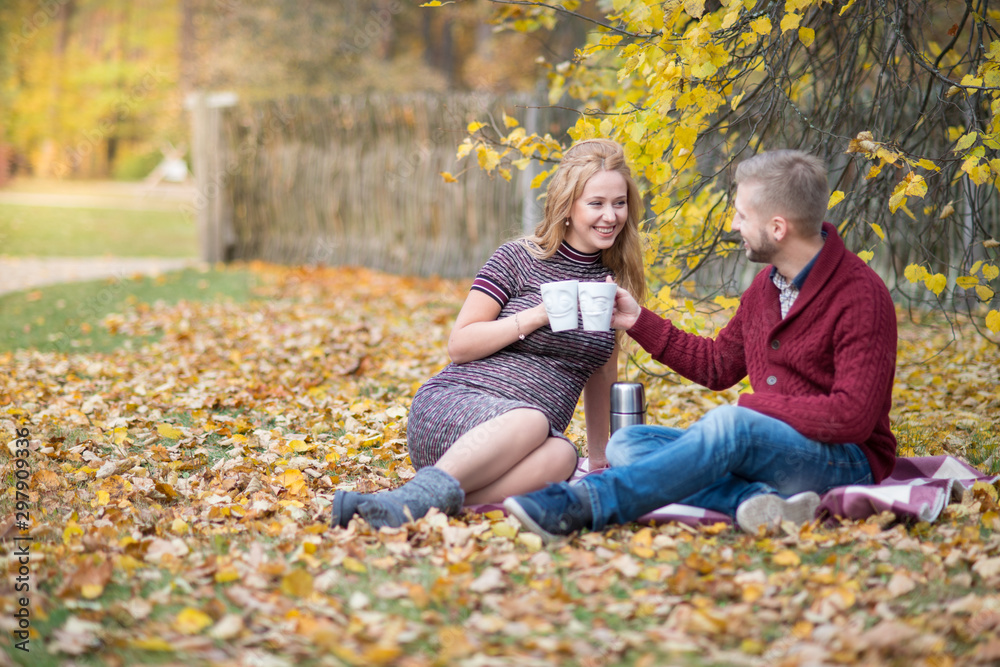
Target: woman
(491,424)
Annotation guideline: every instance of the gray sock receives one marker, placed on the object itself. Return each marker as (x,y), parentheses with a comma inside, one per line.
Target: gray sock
(345,505)
(431,487)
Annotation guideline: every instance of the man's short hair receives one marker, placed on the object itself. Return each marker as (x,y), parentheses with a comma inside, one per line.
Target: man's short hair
(794,186)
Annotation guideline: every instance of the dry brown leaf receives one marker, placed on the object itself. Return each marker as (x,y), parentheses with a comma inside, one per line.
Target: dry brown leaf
(900,584)
(987,568)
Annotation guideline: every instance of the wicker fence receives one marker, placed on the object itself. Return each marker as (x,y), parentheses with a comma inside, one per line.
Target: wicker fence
(356,181)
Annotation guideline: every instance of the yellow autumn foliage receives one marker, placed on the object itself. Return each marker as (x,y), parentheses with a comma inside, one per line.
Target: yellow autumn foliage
(658,77)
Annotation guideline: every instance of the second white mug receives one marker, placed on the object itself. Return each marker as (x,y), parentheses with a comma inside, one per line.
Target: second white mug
(597,303)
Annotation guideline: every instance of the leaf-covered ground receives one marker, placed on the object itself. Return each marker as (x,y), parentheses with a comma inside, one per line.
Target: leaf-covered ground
(180,490)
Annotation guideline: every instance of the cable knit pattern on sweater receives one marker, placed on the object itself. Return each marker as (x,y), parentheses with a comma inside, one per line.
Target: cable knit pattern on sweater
(826,369)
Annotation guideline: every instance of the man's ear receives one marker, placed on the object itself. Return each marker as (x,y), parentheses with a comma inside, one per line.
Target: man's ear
(779,227)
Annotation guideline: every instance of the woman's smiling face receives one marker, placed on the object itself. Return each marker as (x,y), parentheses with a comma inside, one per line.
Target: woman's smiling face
(599,214)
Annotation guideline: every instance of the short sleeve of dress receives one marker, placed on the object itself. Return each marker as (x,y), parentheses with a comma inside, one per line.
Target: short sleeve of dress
(501,277)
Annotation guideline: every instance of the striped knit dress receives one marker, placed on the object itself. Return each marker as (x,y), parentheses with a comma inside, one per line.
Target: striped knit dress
(546,371)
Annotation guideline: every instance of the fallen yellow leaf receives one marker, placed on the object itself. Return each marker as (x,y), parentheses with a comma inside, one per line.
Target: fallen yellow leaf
(191,621)
(504,529)
(352,564)
(71,530)
(297,583)
(530,541)
(226,575)
(151,644)
(169,431)
(786,558)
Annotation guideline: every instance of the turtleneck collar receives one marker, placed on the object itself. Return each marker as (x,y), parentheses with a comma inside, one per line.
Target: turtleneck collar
(574,255)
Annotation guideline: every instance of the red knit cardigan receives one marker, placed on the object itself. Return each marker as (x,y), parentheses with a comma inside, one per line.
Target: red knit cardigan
(826,369)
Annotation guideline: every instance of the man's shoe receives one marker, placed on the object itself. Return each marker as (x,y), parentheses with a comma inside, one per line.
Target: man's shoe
(556,510)
(770,510)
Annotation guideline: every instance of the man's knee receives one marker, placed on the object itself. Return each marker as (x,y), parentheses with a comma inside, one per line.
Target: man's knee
(630,443)
(617,451)
(724,420)
(725,414)
(732,422)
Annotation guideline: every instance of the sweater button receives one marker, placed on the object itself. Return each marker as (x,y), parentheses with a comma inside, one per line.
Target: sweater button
(772,380)
(774,345)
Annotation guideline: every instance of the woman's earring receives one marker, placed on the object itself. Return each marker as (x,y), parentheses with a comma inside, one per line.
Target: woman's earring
(567,222)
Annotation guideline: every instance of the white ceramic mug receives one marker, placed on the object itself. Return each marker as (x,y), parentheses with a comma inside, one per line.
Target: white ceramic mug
(597,303)
(560,304)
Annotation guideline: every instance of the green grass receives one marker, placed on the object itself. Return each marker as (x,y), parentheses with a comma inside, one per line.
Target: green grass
(984,448)
(67,232)
(67,317)
(118,620)
(980,444)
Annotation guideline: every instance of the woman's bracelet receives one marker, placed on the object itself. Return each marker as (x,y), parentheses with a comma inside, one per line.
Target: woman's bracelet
(517,324)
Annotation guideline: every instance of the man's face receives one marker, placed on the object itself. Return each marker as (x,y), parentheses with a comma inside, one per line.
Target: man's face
(758,241)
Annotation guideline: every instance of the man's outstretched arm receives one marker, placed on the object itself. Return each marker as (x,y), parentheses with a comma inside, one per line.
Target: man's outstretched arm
(714,363)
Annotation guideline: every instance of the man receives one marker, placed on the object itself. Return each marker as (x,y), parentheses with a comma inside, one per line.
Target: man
(815,332)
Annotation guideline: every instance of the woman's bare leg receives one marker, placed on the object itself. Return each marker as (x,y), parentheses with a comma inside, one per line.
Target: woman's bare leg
(513,453)
(491,450)
(554,461)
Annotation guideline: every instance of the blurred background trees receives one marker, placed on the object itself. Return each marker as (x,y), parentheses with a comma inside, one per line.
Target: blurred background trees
(902,97)
(88,86)
(96,88)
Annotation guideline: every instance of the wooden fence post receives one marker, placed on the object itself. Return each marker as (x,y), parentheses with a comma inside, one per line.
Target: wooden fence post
(209,158)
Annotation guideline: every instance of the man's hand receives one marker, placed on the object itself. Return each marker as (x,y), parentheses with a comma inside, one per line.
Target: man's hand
(597,462)
(626,310)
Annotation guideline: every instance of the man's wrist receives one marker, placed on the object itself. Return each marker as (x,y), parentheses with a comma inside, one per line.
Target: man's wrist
(636,319)
(647,327)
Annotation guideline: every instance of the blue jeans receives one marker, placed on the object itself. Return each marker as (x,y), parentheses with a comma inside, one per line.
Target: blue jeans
(729,455)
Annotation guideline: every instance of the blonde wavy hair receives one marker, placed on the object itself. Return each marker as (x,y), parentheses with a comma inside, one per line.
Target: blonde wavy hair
(579,164)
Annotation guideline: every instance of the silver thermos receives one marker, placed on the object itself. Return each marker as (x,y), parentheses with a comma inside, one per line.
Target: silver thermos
(628,404)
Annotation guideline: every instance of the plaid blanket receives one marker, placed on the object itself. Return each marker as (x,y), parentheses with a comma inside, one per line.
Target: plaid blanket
(918,489)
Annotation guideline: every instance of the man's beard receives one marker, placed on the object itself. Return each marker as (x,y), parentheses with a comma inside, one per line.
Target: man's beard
(764,251)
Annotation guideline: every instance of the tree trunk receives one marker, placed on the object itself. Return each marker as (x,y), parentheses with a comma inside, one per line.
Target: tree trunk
(387,36)
(448,52)
(63,20)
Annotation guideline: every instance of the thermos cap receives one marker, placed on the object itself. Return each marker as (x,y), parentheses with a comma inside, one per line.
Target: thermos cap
(628,397)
